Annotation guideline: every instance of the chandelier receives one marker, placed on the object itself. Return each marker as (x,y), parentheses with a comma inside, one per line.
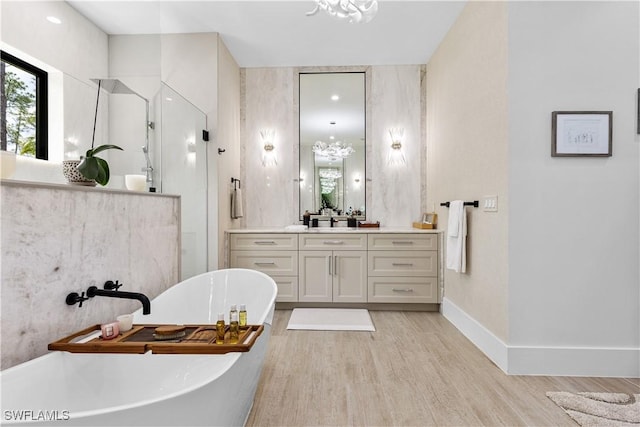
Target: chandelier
(327,185)
(330,173)
(334,151)
(358,11)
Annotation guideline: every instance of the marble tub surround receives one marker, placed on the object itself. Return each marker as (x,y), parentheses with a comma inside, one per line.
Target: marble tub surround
(58,239)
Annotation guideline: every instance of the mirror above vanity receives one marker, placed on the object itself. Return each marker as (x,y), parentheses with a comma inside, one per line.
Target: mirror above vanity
(332,144)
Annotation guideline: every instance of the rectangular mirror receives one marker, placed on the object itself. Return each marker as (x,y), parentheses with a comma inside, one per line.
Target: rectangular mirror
(332,144)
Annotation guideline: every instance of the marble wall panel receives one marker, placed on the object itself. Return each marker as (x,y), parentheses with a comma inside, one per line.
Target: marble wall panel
(394,195)
(268,190)
(58,239)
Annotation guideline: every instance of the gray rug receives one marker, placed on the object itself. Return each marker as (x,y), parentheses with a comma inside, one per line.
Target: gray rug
(599,409)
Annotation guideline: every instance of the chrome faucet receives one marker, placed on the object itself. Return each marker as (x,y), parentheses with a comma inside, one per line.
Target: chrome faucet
(93,291)
(149,168)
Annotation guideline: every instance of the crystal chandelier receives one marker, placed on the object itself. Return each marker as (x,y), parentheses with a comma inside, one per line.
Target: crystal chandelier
(330,173)
(333,151)
(327,185)
(358,11)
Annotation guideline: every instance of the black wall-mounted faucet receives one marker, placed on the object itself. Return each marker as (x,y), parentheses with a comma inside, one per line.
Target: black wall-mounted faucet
(93,291)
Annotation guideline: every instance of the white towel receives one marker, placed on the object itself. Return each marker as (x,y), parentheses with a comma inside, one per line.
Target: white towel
(236,204)
(457,237)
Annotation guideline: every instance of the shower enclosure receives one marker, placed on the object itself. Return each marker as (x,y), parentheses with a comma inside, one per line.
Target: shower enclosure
(181,158)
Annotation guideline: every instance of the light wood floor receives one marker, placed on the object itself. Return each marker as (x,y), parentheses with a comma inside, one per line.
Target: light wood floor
(415,370)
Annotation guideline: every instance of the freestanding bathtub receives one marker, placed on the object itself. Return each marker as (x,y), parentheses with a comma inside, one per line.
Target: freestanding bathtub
(68,389)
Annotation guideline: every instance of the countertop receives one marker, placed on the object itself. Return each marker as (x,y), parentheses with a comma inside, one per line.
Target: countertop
(338,229)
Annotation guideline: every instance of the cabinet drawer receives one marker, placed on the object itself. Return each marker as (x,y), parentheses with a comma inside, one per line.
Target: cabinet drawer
(333,241)
(407,242)
(278,263)
(267,241)
(287,288)
(403,289)
(403,263)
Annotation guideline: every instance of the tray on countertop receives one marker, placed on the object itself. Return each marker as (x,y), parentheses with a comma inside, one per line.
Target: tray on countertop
(198,339)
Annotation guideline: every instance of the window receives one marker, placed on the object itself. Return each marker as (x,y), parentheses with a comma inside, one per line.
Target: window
(23,108)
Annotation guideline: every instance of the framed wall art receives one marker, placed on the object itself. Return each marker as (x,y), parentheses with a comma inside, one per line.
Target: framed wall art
(581,133)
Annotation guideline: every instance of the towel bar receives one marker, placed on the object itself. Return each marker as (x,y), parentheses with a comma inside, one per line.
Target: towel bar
(475,204)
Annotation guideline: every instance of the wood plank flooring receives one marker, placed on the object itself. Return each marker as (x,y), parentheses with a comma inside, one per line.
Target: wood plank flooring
(416,370)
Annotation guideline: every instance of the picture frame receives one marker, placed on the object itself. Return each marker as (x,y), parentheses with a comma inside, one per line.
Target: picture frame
(582,133)
(428,218)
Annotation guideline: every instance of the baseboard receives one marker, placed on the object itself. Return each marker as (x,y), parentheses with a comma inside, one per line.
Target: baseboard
(552,361)
(575,361)
(492,346)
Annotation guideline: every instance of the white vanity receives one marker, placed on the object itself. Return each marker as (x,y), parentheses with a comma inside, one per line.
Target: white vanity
(328,266)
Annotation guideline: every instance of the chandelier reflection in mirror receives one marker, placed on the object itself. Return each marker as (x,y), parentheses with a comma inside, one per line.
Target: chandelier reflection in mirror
(356,11)
(333,151)
(328,177)
(330,173)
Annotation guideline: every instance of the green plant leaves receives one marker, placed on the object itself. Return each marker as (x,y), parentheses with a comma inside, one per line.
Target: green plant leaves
(100,148)
(96,168)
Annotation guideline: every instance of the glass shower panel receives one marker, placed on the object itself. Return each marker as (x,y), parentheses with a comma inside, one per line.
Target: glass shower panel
(183,171)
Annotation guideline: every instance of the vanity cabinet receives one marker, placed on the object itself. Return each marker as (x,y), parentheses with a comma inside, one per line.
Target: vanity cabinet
(333,275)
(356,266)
(403,268)
(272,254)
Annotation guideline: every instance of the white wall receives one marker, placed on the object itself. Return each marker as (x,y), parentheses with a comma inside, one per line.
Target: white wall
(573,230)
(569,244)
(467,150)
(72,52)
(227,138)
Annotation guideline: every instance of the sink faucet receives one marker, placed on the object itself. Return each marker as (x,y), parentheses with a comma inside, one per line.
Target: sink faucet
(333,221)
(93,291)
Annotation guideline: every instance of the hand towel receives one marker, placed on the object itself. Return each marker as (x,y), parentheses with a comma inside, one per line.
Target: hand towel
(457,237)
(236,204)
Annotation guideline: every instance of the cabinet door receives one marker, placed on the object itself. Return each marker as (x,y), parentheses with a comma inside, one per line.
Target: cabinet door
(287,288)
(315,276)
(349,276)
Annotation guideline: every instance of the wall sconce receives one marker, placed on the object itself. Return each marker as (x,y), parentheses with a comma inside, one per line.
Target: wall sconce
(269,156)
(396,156)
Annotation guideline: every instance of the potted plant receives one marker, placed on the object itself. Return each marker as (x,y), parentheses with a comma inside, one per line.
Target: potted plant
(96,168)
(92,167)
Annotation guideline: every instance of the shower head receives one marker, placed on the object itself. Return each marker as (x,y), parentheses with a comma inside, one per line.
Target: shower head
(116,86)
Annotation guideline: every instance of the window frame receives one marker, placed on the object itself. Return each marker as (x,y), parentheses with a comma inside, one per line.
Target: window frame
(42,102)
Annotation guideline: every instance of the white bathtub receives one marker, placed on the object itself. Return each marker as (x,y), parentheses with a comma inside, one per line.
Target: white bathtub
(61,388)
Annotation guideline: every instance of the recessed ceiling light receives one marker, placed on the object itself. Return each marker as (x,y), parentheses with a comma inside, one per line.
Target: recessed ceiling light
(332,137)
(54,20)
(334,97)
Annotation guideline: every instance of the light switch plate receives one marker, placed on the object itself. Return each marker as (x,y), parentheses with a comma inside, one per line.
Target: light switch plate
(490,203)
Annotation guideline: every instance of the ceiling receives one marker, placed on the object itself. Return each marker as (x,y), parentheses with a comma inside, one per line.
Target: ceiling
(278,34)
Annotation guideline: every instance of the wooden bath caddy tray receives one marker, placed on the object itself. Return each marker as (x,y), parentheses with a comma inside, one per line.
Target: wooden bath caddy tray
(198,339)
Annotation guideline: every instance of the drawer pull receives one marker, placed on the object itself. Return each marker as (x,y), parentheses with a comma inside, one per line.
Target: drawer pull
(402,264)
(402,290)
(402,242)
(264,242)
(333,242)
(265,263)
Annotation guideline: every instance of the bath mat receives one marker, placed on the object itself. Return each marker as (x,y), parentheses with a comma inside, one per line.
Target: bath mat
(599,409)
(331,319)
